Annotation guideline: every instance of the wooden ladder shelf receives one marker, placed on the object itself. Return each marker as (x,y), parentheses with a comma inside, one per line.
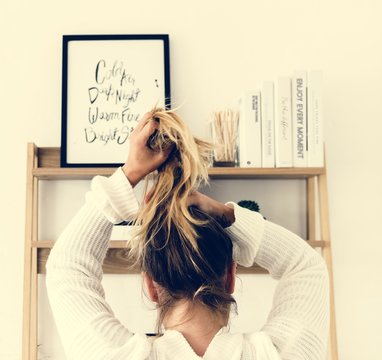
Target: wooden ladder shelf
(44,164)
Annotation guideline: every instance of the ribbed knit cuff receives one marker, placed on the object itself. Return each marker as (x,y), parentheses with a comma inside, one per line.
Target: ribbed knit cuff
(114,196)
(246,234)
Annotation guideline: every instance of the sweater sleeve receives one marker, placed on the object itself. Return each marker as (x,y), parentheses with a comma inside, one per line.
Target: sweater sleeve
(298,322)
(85,322)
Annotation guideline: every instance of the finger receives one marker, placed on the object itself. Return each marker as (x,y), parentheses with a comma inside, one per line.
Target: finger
(142,122)
(147,130)
(162,156)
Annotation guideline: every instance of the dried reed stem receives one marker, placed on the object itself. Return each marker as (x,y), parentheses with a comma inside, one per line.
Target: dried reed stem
(224,126)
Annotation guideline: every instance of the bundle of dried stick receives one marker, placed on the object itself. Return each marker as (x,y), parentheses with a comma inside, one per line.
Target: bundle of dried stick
(224,126)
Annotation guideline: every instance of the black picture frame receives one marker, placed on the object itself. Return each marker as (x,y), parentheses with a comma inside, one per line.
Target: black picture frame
(120,93)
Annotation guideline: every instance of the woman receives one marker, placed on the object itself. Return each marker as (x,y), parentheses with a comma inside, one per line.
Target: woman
(188,262)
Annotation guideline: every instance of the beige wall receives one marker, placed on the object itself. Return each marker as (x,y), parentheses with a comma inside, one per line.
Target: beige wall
(218,48)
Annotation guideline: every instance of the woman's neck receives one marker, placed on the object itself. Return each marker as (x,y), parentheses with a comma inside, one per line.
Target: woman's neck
(197,324)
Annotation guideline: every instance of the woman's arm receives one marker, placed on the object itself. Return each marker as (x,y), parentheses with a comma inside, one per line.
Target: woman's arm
(298,322)
(85,322)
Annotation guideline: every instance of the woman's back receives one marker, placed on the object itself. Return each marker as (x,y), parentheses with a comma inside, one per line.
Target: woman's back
(224,346)
(297,326)
(197,271)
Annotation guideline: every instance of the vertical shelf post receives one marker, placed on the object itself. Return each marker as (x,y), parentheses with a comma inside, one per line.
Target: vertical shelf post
(311,206)
(327,255)
(29,341)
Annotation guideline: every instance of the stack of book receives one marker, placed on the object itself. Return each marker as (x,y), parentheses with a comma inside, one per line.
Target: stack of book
(280,124)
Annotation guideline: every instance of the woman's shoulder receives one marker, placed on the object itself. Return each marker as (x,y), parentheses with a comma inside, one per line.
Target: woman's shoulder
(261,343)
(225,345)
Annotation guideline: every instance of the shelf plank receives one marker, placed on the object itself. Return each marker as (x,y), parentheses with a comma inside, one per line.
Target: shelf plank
(48,244)
(71,173)
(116,263)
(49,168)
(265,173)
(214,173)
(117,254)
(121,244)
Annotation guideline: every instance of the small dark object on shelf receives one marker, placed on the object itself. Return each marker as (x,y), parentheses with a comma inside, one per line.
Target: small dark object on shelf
(224,164)
(249,204)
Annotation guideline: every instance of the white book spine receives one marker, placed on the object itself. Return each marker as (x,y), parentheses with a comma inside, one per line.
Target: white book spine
(268,125)
(121,232)
(299,118)
(283,123)
(315,120)
(250,129)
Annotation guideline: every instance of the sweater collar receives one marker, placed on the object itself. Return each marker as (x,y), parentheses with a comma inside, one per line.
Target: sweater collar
(224,346)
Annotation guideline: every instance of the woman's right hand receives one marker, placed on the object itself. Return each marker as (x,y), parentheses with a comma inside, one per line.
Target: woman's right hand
(141,159)
(223,214)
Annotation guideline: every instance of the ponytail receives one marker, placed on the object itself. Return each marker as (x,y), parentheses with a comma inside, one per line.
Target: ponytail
(181,248)
(185,169)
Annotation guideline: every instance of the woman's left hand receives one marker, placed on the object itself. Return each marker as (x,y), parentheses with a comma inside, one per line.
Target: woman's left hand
(142,160)
(223,214)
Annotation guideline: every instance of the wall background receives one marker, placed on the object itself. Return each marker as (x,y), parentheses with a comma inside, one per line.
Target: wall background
(218,48)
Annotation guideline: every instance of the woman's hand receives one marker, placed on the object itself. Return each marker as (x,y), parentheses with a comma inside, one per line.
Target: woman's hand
(142,160)
(223,214)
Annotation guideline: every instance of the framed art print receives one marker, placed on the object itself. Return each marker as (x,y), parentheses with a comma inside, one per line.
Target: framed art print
(108,83)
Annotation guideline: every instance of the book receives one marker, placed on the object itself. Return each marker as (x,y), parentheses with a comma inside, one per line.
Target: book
(283,122)
(268,125)
(121,232)
(250,129)
(299,119)
(315,120)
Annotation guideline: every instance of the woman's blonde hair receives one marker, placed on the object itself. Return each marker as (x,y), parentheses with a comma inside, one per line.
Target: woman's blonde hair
(183,249)
(185,169)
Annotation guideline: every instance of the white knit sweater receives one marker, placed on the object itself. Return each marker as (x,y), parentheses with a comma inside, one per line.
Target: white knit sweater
(297,325)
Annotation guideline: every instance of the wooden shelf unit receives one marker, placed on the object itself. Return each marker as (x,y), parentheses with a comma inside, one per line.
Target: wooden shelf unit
(44,164)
